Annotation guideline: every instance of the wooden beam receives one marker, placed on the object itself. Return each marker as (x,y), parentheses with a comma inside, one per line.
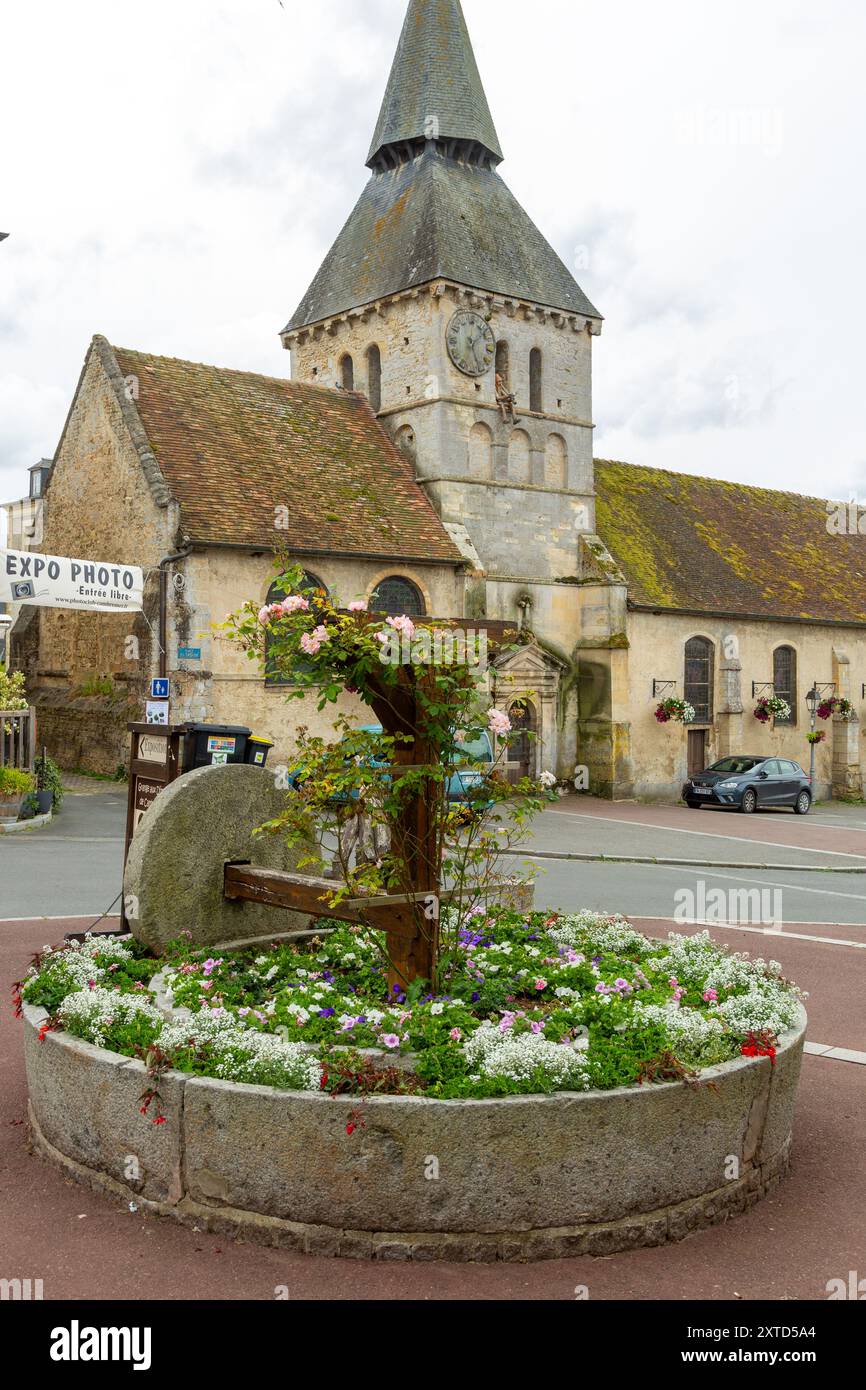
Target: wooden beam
(301,893)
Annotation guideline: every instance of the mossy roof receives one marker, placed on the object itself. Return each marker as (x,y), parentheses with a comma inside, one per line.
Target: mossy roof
(438,218)
(707,546)
(234,447)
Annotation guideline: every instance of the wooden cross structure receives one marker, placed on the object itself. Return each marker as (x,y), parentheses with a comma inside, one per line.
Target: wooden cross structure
(410,920)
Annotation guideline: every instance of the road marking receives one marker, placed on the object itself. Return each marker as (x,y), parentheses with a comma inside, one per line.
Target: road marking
(65,917)
(709,834)
(789,888)
(836,1054)
(663,862)
(758,931)
(76,840)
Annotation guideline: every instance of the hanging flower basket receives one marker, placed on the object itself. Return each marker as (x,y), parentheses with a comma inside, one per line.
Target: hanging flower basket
(837,704)
(676,710)
(819,736)
(770,708)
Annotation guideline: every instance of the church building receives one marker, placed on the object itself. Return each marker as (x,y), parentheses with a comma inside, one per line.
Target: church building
(432,452)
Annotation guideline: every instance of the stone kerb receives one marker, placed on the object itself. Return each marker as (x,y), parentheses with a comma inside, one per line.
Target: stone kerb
(527,1177)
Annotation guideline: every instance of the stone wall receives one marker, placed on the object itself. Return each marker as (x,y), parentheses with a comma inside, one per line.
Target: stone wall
(100,505)
(657,757)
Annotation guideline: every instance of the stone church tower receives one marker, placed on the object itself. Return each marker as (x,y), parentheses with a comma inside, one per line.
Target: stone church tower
(439,284)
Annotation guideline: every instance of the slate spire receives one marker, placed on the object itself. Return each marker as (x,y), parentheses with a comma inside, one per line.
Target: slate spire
(435,90)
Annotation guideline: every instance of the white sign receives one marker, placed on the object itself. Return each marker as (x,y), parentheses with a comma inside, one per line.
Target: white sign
(153,749)
(157,712)
(51,581)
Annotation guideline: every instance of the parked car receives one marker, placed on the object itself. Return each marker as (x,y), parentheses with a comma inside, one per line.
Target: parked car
(748,784)
(464,779)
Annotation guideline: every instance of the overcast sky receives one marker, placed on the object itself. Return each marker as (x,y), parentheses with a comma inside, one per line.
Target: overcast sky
(172,174)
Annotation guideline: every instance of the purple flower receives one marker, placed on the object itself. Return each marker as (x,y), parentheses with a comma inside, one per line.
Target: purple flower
(327,1013)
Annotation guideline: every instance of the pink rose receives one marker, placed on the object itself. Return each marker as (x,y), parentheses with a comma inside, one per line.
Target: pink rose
(498,723)
(358,606)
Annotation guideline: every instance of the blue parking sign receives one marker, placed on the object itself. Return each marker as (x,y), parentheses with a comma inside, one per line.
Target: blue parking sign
(160,688)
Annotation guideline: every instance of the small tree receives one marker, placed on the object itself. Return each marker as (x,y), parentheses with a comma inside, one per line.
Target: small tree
(430,710)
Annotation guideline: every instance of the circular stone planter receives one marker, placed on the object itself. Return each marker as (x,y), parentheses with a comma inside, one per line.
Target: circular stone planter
(524,1178)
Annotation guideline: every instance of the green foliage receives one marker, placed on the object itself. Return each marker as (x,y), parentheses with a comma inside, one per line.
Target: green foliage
(432,710)
(12,694)
(13,782)
(97,685)
(48,779)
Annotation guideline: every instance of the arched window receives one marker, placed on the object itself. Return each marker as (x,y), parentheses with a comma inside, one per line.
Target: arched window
(519,457)
(536,381)
(503,363)
(480,451)
(397,596)
(522,750)
(785,679)
(347,372)
(556,462)
(310,586)
(405,441)
(698,684)
(374,377)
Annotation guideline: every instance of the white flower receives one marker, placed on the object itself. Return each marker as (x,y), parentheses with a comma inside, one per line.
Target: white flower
(437,1008)
(519,1056)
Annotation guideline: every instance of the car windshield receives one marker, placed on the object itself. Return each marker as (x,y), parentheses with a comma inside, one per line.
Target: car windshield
(477,750)
(737,765)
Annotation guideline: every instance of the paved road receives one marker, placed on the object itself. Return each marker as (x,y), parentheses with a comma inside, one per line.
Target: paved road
(72,866)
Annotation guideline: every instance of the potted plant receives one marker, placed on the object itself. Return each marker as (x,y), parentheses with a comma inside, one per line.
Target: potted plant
(49,784)
(14,786)
(819,736)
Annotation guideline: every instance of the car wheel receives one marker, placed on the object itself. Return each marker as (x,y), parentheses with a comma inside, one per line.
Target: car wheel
(749,803)
(694,805)
(803,804)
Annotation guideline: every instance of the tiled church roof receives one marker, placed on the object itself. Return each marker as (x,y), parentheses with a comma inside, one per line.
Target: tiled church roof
(437,218)
(435,79)
(233,447)
(435,208)
(706,546)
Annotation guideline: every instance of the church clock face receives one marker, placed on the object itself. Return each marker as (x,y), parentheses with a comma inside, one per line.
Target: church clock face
(471,344)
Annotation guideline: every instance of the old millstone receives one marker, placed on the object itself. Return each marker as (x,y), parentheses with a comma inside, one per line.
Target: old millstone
(174,874)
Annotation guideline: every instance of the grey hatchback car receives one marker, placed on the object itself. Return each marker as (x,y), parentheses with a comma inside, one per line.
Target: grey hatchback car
(748,784)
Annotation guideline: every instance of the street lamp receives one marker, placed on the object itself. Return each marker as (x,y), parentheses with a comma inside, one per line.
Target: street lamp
(812,700)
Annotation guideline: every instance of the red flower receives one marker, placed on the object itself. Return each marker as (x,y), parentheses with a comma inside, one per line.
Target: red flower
(350,1128)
